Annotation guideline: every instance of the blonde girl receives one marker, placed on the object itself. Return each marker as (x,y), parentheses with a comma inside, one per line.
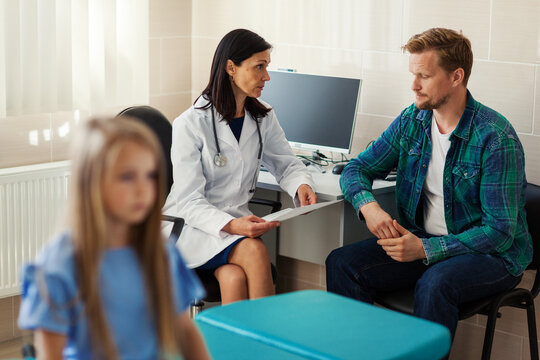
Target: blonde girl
(110,287)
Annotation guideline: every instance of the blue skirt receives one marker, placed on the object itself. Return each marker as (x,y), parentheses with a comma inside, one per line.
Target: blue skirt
(220,259)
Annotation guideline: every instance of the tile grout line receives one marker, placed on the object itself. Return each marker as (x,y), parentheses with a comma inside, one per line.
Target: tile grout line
(534,99)
(490,27)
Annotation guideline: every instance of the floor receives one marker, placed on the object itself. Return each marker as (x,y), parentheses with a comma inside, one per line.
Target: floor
(11,349)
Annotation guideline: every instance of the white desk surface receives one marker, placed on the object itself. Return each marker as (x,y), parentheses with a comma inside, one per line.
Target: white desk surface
(326,185)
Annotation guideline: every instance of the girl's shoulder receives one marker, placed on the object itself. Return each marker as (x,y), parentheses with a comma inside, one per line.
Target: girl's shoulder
(55,265)
(49,287)
(58,255)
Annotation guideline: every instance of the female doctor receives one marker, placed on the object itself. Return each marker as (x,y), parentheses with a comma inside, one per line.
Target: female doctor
(217,147)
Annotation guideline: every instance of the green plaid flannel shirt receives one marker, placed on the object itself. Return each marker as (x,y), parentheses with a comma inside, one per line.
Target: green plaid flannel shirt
(484,183)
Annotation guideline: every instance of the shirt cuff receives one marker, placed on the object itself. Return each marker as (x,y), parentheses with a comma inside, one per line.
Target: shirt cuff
(435,249)
(361,199)
(221,224)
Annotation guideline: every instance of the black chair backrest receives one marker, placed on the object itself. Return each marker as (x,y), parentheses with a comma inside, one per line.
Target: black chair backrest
(161,127)
(532,207)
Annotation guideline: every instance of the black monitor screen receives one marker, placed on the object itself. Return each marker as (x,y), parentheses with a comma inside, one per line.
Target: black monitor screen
(315,112)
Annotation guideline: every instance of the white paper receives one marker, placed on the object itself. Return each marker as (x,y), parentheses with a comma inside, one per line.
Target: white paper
(289,213)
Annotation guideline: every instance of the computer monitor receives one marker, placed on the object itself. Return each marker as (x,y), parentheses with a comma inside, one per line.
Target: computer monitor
(316,112)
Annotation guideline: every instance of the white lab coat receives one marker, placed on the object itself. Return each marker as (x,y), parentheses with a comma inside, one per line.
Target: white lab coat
(208,196)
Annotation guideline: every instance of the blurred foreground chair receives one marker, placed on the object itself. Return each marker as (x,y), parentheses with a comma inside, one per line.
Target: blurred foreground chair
(315,324)
(403,301)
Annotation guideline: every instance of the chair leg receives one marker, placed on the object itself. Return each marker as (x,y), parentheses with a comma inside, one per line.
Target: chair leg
(196,308)
(531,321)
(490,333)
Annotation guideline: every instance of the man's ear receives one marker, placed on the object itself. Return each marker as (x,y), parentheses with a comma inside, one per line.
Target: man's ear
(457,76)
(230,67)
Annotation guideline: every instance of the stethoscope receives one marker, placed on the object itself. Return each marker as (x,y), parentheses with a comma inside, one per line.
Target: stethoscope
(220,160)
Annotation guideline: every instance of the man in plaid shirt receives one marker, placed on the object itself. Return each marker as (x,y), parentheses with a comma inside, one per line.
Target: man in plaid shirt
(462,232)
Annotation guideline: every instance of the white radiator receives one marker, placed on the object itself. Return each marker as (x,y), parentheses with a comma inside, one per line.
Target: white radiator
(32,200)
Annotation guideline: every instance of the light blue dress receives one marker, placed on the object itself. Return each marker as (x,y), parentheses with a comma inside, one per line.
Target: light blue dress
(50,299)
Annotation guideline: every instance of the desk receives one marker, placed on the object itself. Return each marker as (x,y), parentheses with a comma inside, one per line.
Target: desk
(314,324)
(326,185)
(312,237)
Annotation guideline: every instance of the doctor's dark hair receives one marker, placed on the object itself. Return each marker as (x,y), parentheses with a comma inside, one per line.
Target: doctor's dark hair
(237,46)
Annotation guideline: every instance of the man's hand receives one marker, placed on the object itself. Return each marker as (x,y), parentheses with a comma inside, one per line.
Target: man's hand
(251,226)
(407,247)
(378,221)
(306,196)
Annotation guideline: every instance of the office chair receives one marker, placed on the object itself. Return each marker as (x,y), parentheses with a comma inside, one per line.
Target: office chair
(403,300)
(162,128)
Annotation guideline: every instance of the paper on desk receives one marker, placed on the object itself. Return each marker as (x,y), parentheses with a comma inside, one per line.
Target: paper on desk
(289,213)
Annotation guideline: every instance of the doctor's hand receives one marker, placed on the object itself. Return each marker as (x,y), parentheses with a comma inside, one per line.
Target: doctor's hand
(407,247)
(378,221)
(306,196)
(251,226)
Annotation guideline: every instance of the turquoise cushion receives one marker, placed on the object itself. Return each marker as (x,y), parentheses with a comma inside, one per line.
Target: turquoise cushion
(319,325)
(225,345)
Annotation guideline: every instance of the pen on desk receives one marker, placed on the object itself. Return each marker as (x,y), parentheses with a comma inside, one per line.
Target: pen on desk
(287,69)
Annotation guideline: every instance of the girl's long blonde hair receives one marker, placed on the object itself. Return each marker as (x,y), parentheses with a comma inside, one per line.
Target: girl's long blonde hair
(94,151)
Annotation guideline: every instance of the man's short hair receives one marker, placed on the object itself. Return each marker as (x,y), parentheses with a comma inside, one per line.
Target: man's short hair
(453,48)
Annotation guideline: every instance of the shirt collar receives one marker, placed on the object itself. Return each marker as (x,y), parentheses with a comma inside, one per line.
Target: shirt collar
(463,129)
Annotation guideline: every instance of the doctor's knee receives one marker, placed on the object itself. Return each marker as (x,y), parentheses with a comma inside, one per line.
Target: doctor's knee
(250,250)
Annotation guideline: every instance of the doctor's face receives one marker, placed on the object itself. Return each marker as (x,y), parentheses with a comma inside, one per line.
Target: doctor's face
(249,77)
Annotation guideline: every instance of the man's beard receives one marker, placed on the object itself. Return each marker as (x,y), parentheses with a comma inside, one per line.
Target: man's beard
(428,105)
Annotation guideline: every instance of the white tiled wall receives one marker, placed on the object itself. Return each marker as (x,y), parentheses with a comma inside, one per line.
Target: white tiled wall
(473,17)
(352,38)
(515,31)
(170,56)
(363,39)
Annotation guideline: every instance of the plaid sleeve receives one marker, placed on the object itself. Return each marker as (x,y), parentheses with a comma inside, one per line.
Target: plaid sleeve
(375,162)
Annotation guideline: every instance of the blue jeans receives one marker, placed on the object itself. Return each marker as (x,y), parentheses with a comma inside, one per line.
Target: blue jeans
(363,268)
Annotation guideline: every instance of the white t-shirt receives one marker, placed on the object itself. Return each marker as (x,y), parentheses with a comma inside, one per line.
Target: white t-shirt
(434,221)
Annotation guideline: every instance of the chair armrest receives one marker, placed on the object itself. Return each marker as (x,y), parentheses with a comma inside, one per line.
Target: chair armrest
(275,205)
(178,225)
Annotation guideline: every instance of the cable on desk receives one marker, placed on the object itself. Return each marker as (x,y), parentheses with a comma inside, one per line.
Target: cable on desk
(320,159)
